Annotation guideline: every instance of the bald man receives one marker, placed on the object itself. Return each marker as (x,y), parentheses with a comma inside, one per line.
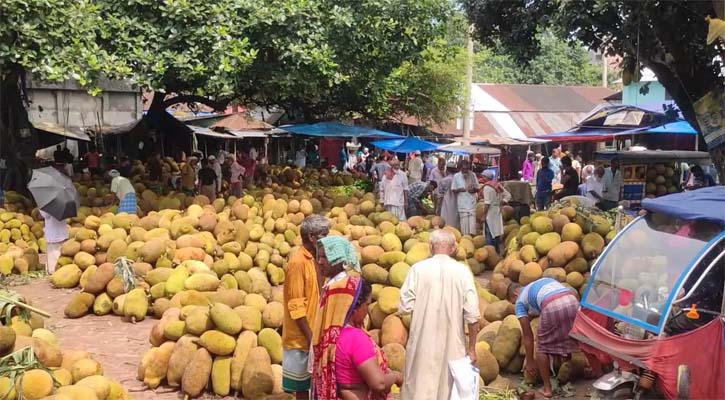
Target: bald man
(441,294)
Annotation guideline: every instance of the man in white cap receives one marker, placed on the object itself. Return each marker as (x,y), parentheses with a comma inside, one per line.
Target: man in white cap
(124,190)
(415,168)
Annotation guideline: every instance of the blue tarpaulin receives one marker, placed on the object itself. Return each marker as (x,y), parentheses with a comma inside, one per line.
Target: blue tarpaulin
(706,203)
(407,145)
(674,128)
(336,129)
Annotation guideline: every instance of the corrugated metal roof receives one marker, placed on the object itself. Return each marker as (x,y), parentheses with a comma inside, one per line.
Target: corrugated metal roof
(527,124)
(546,98)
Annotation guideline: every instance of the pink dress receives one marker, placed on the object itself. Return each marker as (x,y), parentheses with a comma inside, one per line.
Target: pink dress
(353,348)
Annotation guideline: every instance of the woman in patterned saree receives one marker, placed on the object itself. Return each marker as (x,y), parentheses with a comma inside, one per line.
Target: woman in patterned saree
(338,302)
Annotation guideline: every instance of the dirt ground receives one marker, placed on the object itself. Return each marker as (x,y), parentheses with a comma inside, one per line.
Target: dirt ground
(116,344)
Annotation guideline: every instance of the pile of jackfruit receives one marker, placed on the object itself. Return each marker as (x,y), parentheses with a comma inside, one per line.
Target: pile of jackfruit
(35,367)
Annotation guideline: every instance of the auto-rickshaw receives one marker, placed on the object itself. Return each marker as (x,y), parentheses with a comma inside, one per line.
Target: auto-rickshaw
(653,307)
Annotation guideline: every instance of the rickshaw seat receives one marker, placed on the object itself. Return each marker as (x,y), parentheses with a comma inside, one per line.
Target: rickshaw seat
(702,349)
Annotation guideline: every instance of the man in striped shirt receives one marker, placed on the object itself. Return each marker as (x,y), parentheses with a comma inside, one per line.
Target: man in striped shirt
(556,306)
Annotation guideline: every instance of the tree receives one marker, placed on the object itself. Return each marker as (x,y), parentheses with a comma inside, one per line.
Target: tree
(558,63)
(183,51)
(53,40)
(430,89)
(319,57)
(668,37)
(328,58)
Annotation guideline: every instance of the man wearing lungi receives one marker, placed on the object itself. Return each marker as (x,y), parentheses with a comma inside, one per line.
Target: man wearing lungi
(556,306)
(124,190)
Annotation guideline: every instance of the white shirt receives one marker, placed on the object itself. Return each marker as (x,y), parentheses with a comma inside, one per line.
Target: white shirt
(392,191)
(122,186)
(494,219)
(594,185)
(466,201)
(612,184)
(415,168)
(441,294)
(300,158)
(55,231)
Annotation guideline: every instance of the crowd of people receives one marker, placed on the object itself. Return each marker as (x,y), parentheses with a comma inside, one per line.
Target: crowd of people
(453,189)
(327,354)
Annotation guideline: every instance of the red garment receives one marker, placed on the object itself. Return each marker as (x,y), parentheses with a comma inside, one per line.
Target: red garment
(702,350)
(249,165)
(93,159)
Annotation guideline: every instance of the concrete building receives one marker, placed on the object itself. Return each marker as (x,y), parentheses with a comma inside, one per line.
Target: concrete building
(69,110)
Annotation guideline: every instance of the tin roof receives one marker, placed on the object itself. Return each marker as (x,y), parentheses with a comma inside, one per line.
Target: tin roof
(545,98)
(521,111)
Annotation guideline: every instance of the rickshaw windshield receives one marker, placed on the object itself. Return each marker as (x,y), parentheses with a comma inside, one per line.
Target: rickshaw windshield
(634,278)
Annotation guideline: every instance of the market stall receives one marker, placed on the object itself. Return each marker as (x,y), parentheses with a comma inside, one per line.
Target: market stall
(653,173)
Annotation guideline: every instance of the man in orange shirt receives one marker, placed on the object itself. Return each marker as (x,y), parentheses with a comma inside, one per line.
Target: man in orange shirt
(301,299)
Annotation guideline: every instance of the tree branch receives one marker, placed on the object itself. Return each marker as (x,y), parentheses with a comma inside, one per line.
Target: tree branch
(217,105)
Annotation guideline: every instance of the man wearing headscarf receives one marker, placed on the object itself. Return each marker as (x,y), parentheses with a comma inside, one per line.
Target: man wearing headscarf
(336,257)
(124,190)
(441,294)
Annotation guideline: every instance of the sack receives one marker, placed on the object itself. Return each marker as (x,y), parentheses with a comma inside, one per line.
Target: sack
(465,379)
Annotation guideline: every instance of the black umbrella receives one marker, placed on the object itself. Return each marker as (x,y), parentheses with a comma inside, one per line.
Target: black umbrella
(54,193)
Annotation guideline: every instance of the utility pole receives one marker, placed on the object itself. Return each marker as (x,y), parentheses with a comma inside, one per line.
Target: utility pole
(467,109)
(605,66)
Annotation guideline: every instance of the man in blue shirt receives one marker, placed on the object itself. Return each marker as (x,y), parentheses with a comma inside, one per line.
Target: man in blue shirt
(556,307)
(555,163)
(544,178)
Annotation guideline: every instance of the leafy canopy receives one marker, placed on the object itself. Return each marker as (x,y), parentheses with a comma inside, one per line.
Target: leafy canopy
(666,36)
(55,40)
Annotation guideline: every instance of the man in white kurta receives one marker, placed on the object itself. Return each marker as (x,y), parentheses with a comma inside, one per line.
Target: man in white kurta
(493,196)
(441,294)
(394,190)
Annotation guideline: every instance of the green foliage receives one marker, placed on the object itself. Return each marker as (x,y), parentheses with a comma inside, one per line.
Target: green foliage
(429,89)
(666,36)
(331,58)
(557,63)
(55,40)
(180,46)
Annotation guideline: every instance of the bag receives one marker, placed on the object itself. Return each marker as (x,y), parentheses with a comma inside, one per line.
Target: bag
(465,379)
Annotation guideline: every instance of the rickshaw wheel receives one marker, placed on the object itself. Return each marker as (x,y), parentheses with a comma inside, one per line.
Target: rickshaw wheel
(625,391)
(683,382)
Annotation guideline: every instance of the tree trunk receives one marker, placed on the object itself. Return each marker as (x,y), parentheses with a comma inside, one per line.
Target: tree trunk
(18,138)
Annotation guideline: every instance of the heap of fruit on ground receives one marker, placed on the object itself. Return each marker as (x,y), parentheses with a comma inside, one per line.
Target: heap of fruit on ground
(35,367)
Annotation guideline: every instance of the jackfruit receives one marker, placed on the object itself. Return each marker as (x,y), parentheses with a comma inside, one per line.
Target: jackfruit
(66,277)
(388,299)
(273,315)
(183,352)
(257,376)
(136,305)
(546,242)
(225,319)
(197,372)
(217,342)
(35,384)
(245,342)
(79,305)
(272,342)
